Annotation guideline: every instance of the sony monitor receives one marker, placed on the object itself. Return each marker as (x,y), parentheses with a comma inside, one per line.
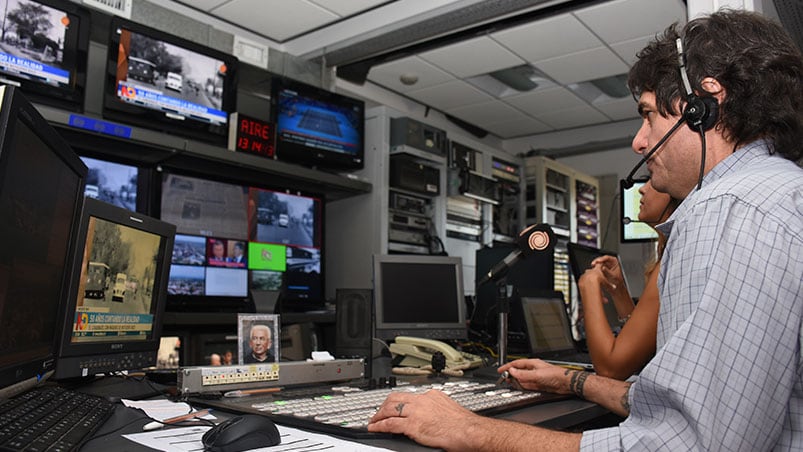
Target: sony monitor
(159,81)
(633,230)
(116,183)
(113,320)
(209,264)
(43,50)
(41,191)
(419,295)
(317,127)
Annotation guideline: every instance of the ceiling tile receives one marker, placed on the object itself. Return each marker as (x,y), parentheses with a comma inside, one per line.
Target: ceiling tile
(548,38)
(573,117)
(582,66)
(619,109)
(348,8)
(276,19)
(486,113)
(543,102)
(627,49)
(517,127)
(608,20)
(450,95)
(472,57)
(388,74)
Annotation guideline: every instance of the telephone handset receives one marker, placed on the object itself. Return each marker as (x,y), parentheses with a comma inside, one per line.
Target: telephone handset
(418,352)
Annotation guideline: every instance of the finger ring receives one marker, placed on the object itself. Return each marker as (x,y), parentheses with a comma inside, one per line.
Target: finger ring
(399,408)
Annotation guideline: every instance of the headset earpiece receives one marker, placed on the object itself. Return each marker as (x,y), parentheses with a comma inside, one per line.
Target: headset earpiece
(701,112)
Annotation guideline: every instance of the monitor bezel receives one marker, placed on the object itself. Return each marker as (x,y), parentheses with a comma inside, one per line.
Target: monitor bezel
(116,109)
(389,330)
(625,235)
(310,156)
(76,52)
(114,214)
(13,105)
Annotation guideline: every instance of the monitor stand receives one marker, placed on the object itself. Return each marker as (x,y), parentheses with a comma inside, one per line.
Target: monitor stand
(265,300)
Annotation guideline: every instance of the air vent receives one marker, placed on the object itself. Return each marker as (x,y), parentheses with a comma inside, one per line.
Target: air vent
(117,7)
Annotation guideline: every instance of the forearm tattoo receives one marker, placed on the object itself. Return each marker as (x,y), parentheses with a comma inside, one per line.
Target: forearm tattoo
(577,382)
(626,398)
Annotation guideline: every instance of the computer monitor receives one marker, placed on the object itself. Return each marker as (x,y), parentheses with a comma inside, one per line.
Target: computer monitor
(633,230)
(41,191)
(113,320)
(419,295)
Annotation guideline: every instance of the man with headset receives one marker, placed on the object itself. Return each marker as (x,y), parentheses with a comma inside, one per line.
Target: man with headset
(722,108)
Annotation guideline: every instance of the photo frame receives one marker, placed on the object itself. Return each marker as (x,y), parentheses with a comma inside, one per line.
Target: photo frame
(256,352)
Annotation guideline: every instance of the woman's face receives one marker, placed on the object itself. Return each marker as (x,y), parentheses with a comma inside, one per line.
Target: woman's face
(653,204)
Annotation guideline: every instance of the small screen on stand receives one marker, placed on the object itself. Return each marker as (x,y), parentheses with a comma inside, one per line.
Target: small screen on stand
(419,296)
(633,230)
(113,320)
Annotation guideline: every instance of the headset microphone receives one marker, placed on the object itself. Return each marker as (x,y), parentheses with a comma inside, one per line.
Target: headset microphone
(700,114)
(538,237)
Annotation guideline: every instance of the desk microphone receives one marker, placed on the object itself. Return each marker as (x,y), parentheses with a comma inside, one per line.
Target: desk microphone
(538,237)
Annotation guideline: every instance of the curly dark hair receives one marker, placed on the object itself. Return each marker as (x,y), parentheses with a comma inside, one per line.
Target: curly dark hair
(751,56)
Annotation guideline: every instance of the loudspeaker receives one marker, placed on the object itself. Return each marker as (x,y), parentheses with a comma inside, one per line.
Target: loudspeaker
(354,327)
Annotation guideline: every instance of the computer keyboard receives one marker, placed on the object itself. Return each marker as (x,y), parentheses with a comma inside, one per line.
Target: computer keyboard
(346,410)
(50,419)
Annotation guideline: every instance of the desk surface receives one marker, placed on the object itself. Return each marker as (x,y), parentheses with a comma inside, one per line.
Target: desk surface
(562,414)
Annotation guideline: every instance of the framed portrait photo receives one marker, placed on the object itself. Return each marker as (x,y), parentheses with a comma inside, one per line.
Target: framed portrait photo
(258,338)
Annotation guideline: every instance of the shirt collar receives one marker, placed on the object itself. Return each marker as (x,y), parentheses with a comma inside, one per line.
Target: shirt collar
(742,158)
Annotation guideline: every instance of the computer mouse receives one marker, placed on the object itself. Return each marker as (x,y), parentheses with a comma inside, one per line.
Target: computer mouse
(248,431)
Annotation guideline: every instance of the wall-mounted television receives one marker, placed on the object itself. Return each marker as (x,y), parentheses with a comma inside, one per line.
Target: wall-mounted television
(163,82)
(633,230)
(43,50)
(316,127)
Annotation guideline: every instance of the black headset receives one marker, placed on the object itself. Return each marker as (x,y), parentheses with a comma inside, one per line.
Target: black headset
(700,114)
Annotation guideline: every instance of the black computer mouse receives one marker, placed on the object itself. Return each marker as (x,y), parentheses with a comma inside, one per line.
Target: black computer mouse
(248,431)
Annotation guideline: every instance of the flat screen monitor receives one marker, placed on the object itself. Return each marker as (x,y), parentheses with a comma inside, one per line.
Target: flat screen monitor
(633,230)
(120,184)
(166,83)
(317,127)
(419,295)
(285,248)
(41,191)
(113,321)
(43,50)
(209,264)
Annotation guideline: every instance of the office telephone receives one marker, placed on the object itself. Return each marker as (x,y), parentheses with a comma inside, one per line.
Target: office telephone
(417,352)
